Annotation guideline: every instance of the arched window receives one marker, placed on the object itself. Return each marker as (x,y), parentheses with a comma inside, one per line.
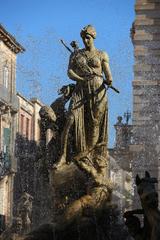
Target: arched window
(5,76)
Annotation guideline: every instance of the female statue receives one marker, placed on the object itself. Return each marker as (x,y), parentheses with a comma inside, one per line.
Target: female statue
(88,107)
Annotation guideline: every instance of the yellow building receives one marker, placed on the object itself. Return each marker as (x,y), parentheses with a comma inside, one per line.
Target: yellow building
(9,48)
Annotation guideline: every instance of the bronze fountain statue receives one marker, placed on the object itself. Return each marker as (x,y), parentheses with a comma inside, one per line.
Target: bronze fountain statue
(88,105)
(78,170)
(87,118)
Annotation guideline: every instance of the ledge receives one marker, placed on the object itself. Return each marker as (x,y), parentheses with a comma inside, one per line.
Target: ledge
(10,41)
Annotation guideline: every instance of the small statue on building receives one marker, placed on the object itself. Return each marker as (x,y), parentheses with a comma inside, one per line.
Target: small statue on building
(123,131)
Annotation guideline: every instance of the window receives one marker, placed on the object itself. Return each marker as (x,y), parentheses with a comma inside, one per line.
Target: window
(27,128)
(5,76)
(22,124)
(6,145)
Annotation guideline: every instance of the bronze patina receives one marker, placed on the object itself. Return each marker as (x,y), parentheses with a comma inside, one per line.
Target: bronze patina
(149,230)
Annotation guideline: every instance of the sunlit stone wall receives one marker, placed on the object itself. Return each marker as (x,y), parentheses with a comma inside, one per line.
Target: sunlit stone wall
(146,88)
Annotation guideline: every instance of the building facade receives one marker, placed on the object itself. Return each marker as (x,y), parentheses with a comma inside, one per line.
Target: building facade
(9,48)
(27,143)
(146,89)
(27,147)
(120,159)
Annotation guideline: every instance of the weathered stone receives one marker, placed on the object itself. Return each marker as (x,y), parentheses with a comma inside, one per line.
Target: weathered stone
(147,6)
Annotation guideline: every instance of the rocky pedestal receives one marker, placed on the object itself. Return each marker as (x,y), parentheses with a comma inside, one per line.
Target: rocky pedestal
(82,209)
(76,194)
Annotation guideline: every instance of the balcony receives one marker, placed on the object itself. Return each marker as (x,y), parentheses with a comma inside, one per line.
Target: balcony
(14,103)
(8,100)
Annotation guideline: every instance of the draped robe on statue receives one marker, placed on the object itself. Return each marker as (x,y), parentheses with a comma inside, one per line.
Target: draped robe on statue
(89,103)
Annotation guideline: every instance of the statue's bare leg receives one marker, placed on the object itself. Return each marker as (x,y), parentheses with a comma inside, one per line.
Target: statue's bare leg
(64,140)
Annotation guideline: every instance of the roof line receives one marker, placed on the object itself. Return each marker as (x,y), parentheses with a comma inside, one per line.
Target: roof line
(10,41)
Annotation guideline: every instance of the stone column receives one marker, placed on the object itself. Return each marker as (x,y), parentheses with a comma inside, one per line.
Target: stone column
(146,86)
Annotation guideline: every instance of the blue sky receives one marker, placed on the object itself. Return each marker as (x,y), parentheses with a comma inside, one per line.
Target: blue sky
(38,26)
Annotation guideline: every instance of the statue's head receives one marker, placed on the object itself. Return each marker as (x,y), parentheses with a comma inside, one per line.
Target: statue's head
(88,34)
(88,30)
(147,192)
